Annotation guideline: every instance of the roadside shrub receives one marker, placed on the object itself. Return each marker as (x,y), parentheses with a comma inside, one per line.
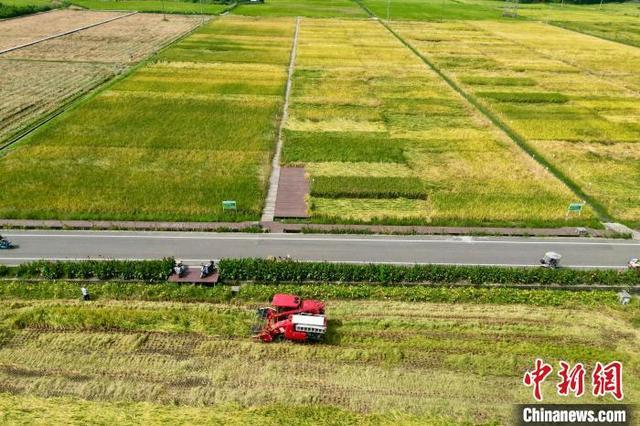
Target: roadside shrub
(269,271)
(146,270)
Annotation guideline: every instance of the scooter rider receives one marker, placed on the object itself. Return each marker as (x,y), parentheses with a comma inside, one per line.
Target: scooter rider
(204,270)
(207,269)
(179,269)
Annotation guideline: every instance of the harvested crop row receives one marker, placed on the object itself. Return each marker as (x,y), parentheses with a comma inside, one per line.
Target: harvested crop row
(170,142)
(568,100)
(386,140)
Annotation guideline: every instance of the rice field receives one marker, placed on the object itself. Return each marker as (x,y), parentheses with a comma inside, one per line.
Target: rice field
(169,142)
(570,101)
(123,41)
(14,32)
(383,361)
(435,10)
(384,139)
(28,91)
(36,80)
(157,6)
(612,21)
(309,8)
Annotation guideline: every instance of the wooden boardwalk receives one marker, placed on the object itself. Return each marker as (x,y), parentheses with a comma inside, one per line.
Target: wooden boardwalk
(193,276)
(293,189)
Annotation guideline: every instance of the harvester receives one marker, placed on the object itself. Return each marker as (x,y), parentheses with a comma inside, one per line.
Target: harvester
(291,318)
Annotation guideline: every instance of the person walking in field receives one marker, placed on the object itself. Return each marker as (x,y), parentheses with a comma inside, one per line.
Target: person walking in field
(85,293)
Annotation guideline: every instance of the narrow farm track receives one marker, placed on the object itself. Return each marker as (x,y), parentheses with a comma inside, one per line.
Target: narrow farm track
(272,195)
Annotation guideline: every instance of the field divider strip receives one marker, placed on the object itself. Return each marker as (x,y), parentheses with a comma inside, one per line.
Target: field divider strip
(270,203)
(31,43)
(598,208)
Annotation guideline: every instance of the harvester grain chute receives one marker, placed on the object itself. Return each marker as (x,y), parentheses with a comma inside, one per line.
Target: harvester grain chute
(291,318)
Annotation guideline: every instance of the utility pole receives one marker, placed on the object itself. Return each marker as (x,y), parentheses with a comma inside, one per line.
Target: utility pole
(511,8)
(388,9)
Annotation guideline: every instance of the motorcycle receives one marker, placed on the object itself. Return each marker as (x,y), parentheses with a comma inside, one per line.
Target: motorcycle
(6,244)
(180,269)
(634,264)
(207,269)
(551,260)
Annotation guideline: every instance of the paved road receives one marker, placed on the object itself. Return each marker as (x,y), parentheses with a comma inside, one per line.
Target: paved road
(196,247)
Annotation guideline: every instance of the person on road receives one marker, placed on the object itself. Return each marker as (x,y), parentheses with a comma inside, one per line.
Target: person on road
(85,293)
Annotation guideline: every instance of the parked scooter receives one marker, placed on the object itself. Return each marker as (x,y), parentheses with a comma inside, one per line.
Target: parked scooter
(551,260)
(207,269)
(634,264)
(179,269)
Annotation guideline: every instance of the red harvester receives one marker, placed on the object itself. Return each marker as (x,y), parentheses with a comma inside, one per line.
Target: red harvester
(291,318)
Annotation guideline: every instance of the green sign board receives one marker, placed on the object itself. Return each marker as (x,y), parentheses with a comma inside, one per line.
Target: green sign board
(575,207)
(228,205)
